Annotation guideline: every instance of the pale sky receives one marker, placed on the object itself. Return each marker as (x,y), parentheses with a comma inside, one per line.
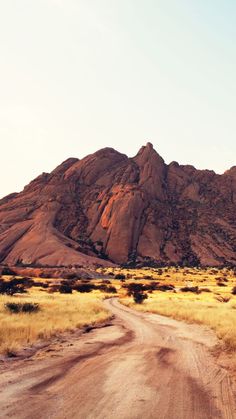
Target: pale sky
(79,75)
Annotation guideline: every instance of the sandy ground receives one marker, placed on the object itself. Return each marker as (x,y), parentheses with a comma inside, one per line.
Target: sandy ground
(140,366)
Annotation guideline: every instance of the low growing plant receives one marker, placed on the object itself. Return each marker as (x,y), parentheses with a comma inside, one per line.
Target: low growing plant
(22,307)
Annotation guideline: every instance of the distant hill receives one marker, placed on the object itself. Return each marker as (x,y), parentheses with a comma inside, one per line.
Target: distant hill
(110,208)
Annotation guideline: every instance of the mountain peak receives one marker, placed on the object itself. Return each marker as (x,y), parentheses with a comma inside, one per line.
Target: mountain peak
(149,145)
(146,153)
(134,207)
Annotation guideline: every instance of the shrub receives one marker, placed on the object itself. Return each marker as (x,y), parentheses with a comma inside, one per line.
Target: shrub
(70,276)
(120,276)
(26,281)
(53,288)
(139,297)
(106,281)
(205,290)
(165,287)
(133,288)
(152,286)
(7,271)
(195,290)
(223,299)
(30,307)
(22,307)
(106,288)
(41,284)
(111,289)
(84,287)
(222,279)
(233,291)
(11,287)
(65,289)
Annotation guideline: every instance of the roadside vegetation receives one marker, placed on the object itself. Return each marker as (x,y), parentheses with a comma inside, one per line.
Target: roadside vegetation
(39,313)
(33,309)
(202,296)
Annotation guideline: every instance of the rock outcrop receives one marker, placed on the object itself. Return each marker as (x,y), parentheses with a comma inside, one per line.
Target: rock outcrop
(108,208)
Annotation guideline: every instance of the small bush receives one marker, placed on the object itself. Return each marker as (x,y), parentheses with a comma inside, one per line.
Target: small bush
(222,279)
(7,271)
(233,291)
(166,287)
(139,297)
(133,288)
(110,289)
(22,307)
(42,285)
(12,287)
(195,290)
(152,286)
(86,287)
(65,289)
(70,276)
(30,307)
(120,276)
(223,299)
(53,288)
(106,288)
(106,281)
(205,290)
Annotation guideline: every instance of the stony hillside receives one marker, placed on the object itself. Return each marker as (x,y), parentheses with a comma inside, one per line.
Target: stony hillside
(108,208)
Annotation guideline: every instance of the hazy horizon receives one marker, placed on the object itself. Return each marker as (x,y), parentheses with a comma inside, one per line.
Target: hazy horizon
(82,75)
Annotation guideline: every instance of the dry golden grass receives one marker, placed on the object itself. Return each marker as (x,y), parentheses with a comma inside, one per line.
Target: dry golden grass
(221,317)
(59,312)
(206,308)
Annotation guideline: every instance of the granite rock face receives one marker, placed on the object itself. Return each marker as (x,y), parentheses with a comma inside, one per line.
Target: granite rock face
(108,208)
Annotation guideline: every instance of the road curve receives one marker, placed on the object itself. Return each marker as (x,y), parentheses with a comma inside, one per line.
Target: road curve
(142,366)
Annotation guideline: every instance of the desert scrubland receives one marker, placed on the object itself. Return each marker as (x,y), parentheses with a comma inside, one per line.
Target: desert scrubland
(142,363)
(202,296)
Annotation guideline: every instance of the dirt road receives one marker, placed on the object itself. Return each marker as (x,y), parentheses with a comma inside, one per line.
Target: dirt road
(141,366)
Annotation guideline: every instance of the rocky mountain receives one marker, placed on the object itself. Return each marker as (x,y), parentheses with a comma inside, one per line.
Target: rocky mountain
(108,208)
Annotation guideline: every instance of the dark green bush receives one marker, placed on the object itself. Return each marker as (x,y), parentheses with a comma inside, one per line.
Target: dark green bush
(139,297)
(22,307)
(65,289)
(12,287)
(133,288)
(30,307)
(120,276)
(195,290)
(84,287)
(165,287)
(205,290)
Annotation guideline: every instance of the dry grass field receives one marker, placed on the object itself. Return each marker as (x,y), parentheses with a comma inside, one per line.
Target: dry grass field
(57,313)
(170,291)
(212,304)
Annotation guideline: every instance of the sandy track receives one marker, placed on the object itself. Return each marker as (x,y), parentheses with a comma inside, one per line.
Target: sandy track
(142,366)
